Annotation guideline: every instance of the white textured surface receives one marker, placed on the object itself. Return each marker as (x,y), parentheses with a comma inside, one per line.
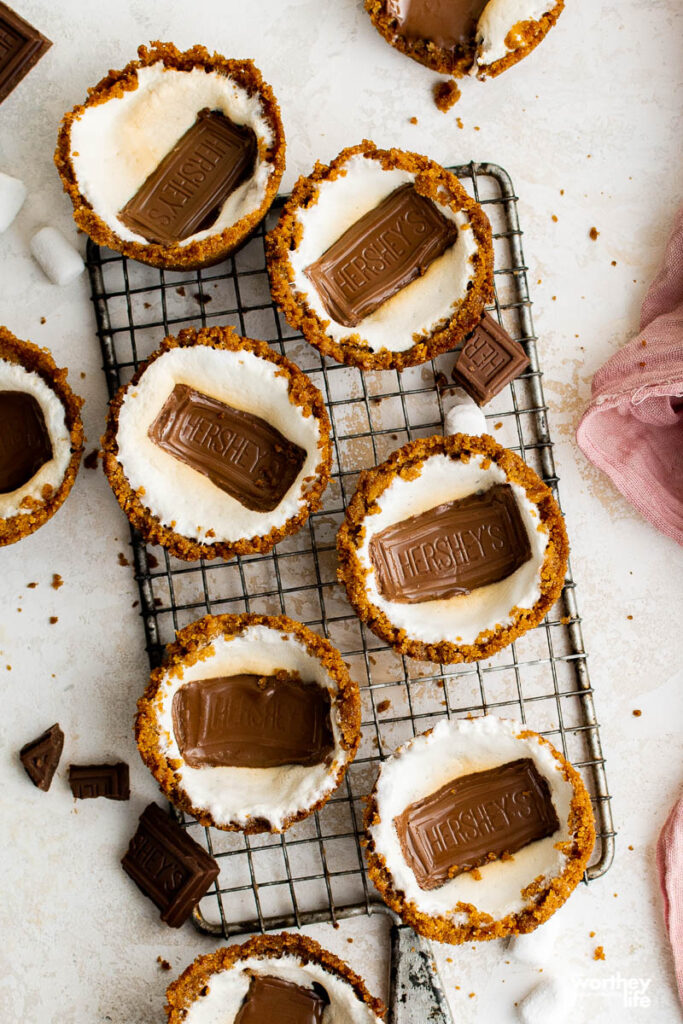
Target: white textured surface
(81,943)
(496,20)
(173,490)
(16,378)
(12,196)
(59,260)
(228,989)
(422,305)
(238,794)
(120,143)
(461,748)
(464,617)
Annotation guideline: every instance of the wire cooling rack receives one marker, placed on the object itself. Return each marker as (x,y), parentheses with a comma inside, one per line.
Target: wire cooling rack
(315,872)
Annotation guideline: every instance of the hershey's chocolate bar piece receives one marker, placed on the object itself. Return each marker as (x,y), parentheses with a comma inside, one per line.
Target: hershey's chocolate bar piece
(282,1002)
(251,721)
(41,756)
(381,253)
(88,781)
(474,819)
(238,451)
(488,361)
(446,23)
(25,443)
(185,193)
(21,47)
(451,549)
(168,866)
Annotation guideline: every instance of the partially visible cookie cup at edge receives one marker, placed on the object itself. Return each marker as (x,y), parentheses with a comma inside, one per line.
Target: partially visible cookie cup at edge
(512,894)
(423,475)
(109,146)
(223,979)
(505,33)
(430,315)
(55,418)
(172,504)
(247,799)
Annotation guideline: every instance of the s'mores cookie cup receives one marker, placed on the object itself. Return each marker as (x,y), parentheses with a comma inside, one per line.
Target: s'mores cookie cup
(477,829)
(41,437)
(381,259)
(175,159)
(461,37)
(452,548)
(250,723)
(276,978)
(218,446)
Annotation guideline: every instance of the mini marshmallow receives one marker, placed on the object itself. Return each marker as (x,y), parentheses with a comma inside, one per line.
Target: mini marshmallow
(552,999)
(464,416)
(12,196)
(59,259)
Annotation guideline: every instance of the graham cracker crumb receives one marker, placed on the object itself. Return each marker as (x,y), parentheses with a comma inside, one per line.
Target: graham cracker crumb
(599,953)
(554,218)
(53,619)
(122,559)
(459,123)
(593,234)
(412,120)
(90,461)
(637,712)
(446,95)
(163,964)
(383,705)
(57,581)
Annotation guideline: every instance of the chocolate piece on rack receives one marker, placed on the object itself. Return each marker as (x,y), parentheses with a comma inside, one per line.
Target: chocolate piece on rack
(381,253)
(25,443)
(88,781)
(185,193)
(474,819)
(238,451)
(446,23)
(451,549)
(21,47)
(41,756)
(251,721)
(488,361)
(168,866)
(276,1000)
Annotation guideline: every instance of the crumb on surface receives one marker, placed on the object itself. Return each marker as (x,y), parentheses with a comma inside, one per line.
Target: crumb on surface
(554,218)
(31,586)
(459,123)
(446,95)
(412,120)
(163,964)
(593,234)
(43,320)
(90,461)
(614,263)
(122,559)
(498,425)
(599,953)
(630,617)
(630,847)
(644,343)
(181,291)
(636,714)
(53,619)
(565,620)
(383,705)
(591,935)
(643,363)
(57,581)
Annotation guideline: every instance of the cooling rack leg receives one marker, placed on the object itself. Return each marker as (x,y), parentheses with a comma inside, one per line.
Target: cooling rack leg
(415,993)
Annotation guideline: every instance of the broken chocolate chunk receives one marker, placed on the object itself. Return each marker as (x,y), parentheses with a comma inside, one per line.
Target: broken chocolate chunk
(250,721)
(238,451)
(489,360)
(168,866)
(380,254)
(88,781)
(21,47)
(185,193)
(41,756)
(474,819)
(451,549)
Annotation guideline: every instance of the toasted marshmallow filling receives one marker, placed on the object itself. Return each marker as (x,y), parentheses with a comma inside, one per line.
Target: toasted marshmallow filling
(462,747)
(462,618)
(183,499)
(417,309)
(498,19)
(228,989)
(117,144)
(14,377)
(236,795)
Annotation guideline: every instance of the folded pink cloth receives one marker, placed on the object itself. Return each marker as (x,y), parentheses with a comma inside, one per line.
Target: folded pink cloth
(633,428)
(670,867)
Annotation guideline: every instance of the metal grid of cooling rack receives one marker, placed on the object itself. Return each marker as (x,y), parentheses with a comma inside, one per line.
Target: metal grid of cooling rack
(314,872)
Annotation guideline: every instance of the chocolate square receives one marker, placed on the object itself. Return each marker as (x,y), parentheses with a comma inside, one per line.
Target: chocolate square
(21,47)
(488,361)
(41,756)
(168,866)
(88,781)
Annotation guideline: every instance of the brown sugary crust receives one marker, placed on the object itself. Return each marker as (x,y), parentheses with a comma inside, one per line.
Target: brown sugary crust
(193,644)
(206,251)
(431,180)
(183,992)
(302,393)
(406,462)
(522,39)
(40,361)
(542,898)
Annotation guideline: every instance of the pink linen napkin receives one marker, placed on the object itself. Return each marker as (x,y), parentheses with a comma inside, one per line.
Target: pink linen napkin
(633,428)
(670,868)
